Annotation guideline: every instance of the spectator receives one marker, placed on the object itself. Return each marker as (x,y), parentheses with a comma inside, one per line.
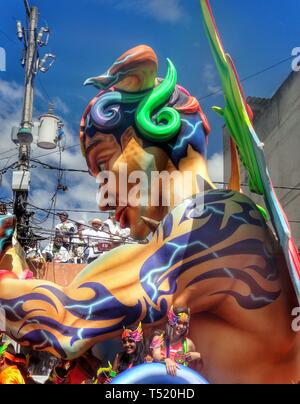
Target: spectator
(3,209)
(33,251)
(80,226)
(60,373)
(97,240)
(172,346)
(112,226)
(55,251)
(65,229)
(79,243)
(133,353)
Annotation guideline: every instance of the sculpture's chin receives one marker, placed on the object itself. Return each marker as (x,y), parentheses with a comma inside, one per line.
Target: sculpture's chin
(143,221)
(140,232)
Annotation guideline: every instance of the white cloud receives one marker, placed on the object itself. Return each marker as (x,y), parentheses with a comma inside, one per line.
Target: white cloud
(60,106)
(216,168)
(211,78)
(10,113)
(82,188)
(171,11)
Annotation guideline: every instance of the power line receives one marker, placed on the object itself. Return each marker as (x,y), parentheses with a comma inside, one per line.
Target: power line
(54,214)
(7,151)
(8,37)
(251,76)
(8,157)
(75,210)
(49,167)
(71,220)
(44,90)
(57,151)
(6,167)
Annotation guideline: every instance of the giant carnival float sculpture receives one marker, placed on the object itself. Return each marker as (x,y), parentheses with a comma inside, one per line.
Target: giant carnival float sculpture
(239,278)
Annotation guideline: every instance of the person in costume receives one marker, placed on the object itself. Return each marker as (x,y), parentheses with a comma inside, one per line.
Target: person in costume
(61,372)
(84,369)
(133,349)
(104,375)
(172,346)
(9,361)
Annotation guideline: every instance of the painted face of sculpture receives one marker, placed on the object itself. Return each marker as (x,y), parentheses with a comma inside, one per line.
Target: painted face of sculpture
(139,124)
(108,155)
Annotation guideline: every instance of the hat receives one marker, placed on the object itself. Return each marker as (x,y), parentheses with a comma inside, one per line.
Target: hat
(63,214)
(80,222)
(96,221)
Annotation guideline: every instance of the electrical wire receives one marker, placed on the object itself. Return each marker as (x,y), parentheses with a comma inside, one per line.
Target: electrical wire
(8,157)
(9,150)
(44,90)
(57,151)
(49,167)
(250,76)
(8,37)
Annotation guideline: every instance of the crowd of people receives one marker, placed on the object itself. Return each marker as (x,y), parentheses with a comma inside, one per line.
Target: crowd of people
(81,243)
(170,346)
(76,241)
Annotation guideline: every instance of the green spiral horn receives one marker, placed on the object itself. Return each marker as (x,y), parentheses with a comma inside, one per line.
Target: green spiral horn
(168,121)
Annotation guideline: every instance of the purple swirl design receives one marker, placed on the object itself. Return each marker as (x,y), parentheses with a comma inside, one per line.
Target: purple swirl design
(106,113)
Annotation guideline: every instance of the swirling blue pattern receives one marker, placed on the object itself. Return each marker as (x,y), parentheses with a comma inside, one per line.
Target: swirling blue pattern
(178,250)
(106,114)
(181,253)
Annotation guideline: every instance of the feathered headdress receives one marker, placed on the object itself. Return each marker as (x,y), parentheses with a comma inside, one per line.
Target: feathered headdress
(174,319)
(136,335)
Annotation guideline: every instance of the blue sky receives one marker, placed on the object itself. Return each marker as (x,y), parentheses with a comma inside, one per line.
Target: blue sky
(88,35)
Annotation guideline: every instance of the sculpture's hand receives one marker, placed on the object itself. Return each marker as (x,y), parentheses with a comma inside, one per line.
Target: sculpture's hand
(7,225)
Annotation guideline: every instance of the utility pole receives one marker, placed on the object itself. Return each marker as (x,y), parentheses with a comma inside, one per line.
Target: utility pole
(33,40)
(31,56)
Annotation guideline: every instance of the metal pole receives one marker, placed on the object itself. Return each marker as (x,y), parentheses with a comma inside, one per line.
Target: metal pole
(30,65)
(21,196)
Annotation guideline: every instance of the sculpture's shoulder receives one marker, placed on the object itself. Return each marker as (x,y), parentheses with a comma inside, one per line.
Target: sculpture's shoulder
(214,210)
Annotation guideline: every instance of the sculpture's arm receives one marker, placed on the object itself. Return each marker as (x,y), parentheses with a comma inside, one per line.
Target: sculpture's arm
(129,284)
(106,295)
(67,321)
